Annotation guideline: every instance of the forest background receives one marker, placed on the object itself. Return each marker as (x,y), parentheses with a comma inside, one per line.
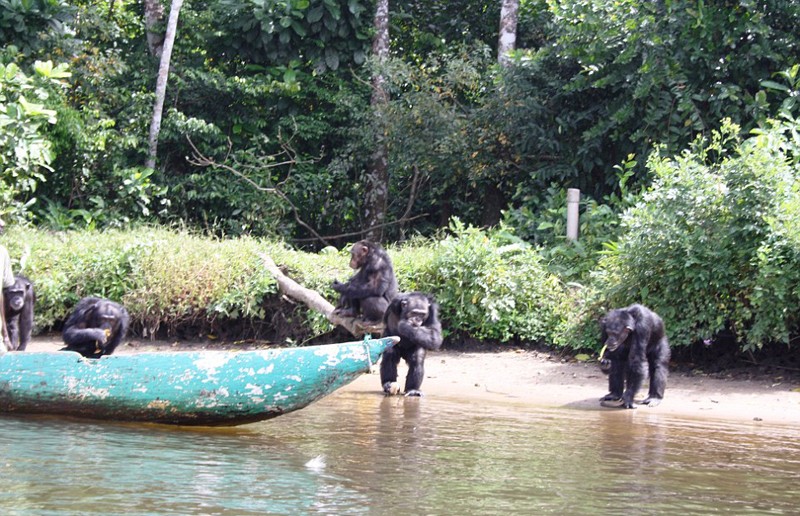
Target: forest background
(294,127)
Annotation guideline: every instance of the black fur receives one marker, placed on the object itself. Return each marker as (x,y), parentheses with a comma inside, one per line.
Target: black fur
(19,300)
(370,290)
(413,317)
(96,327)
(636,346)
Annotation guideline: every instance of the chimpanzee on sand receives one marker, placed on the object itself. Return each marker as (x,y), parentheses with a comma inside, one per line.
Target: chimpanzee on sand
(414,318)
(370,290)
(18,300)
(95,327)
(635,347)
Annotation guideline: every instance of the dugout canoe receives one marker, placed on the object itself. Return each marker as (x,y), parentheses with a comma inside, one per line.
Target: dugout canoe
(210,388)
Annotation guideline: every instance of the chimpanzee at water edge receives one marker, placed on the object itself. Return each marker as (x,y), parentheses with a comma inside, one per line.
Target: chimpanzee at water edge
(414,317)
(635,346)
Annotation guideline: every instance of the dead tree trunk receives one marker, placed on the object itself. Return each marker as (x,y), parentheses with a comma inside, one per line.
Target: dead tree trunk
(316,302)
(161,83)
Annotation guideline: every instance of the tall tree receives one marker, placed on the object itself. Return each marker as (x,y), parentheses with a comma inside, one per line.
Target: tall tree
(493,197)
(377,177)
(161,83)
(508,30)
(153,16)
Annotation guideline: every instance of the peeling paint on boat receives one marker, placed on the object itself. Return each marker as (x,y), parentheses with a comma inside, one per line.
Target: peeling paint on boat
(191,388)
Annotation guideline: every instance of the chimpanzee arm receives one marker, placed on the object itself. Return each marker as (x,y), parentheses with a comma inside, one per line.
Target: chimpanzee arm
(429,335)
(75,336)
(120,331)
(374,282)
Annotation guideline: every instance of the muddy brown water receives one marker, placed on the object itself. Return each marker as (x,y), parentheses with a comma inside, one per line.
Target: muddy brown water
(360,453)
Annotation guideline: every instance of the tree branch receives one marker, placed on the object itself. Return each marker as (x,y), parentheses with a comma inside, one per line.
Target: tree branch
(316,302)
(200,160)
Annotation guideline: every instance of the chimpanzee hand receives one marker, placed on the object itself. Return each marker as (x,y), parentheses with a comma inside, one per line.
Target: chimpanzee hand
(337,286)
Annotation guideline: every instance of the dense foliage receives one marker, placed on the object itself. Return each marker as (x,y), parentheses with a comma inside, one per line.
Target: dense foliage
(269,128)
(175,283)
(711,245)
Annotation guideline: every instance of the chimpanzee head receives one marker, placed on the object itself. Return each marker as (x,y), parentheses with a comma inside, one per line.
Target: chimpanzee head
(416,308)
(15,294)
(106,316)
(617,326)
(359,254)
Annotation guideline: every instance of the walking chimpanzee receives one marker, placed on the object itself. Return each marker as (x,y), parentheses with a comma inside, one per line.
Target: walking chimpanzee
(95,327)
(636,346)
(414,318)
(19,299)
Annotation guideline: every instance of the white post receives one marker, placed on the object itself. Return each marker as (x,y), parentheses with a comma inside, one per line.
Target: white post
(573,200)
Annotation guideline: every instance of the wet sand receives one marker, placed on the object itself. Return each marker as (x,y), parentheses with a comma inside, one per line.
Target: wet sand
(542,380)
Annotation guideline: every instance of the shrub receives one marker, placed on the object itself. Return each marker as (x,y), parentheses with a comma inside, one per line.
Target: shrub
(707,247)
(492,285)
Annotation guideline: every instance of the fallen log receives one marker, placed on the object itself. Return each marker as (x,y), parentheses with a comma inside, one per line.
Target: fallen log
(316,302)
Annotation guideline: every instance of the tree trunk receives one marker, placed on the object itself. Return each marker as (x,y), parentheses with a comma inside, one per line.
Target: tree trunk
(508,30)
(316,302)
(493,197)
(153,16)
(161,83)
(377,178)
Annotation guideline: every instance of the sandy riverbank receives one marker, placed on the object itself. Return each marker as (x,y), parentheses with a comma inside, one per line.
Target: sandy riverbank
(542,380)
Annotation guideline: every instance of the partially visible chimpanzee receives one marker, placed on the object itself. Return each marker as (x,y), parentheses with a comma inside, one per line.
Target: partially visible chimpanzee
(414,318)
(370,290)
(635,347)
(95,327)
(18,300)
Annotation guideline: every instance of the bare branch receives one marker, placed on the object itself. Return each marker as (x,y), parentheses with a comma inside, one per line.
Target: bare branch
(363,231)
(200,160)
(316,302)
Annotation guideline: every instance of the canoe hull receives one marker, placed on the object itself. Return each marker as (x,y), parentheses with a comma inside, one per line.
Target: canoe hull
(183,388)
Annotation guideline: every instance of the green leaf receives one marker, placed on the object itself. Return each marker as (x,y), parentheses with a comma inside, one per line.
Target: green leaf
(315,14)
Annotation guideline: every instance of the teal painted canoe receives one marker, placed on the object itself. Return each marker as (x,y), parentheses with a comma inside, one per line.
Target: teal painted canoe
(182,388)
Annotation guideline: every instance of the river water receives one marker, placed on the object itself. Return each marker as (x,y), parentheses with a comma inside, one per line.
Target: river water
(361,453)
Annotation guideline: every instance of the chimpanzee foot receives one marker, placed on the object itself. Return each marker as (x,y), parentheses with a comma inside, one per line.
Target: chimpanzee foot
(391,388)
(414,392)
(611,397)
(345,312)
(651,401)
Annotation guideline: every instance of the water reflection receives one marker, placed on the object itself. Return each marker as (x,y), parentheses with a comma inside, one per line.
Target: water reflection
(396,455)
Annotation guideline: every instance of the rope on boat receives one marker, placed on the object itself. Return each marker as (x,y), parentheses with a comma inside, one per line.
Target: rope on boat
(367,338)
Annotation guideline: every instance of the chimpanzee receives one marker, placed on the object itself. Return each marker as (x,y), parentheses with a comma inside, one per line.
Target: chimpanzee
(635,347)
(95,327)
(414,318)
(370,290)
(18,300)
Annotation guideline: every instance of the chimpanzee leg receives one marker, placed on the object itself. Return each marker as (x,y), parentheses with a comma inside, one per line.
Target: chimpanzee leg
(25,327)
(12,325)
(636,371)
(616,380)
(659,369)
(416,371)
(391,357)
(373,308)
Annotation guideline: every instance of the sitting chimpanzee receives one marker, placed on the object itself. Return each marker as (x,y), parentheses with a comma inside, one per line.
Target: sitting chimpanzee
(19,299)
(95,327)
(414,318)
(635,346)
(370,290)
